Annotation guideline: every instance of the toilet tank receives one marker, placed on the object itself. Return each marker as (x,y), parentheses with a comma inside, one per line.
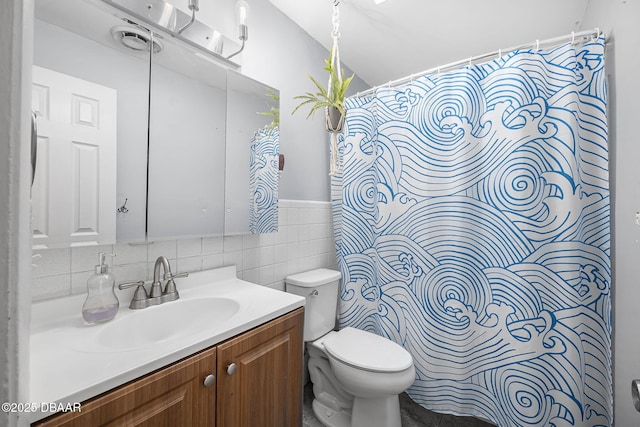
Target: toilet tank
(320,288)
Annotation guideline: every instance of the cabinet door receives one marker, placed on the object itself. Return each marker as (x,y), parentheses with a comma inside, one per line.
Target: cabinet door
(266,388)
(172,397)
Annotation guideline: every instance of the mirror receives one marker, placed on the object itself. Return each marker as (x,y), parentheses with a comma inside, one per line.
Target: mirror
(186,145)
(175,115)
(251,202)
(82,178)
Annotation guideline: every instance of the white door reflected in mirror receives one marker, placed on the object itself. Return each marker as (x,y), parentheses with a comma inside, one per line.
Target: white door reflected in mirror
(74,191)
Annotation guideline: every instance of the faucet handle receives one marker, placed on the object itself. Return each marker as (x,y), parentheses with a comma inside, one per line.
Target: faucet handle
(127,285)
(171,276)
(170,290)
(140,296)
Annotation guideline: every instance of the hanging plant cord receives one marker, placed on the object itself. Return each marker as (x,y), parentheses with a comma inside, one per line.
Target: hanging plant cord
(335,60)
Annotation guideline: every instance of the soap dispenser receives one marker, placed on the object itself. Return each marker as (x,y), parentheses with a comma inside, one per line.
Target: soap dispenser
(101,304)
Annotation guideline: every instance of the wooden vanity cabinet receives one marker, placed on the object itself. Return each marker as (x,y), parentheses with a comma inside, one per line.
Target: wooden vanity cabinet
(260,376)
(258,383)
(172,396)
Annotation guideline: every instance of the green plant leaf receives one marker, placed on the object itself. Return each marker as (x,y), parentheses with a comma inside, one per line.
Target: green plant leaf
(332,96)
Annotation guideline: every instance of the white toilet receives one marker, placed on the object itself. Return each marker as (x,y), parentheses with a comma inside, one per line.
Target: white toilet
(356,375)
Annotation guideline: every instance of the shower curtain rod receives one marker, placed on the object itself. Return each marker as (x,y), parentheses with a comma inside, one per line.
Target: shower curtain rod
(573,36)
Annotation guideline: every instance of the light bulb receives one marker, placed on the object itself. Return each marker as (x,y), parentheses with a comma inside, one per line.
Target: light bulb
(242,14)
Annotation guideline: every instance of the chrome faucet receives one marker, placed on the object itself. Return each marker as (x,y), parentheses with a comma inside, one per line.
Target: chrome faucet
(142,299)
(156,286)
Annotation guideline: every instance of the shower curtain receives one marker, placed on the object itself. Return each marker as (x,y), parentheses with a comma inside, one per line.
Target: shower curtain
(263,180)
(471,217)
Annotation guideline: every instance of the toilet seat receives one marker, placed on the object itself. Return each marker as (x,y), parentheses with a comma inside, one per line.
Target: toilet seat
(367,351)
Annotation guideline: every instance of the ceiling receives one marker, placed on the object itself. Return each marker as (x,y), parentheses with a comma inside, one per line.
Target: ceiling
(397,38)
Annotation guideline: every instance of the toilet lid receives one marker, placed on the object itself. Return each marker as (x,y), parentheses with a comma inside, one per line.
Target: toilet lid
(368,351)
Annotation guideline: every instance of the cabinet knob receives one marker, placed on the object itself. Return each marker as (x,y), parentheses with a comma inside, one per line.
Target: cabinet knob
(232,368)
(209,380)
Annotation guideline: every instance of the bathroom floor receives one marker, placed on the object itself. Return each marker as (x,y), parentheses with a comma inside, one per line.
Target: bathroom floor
(413,415)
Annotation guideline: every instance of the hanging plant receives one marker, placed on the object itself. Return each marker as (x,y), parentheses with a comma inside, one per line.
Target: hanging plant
(330,98)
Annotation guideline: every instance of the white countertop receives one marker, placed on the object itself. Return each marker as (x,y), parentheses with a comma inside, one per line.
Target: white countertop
(68,366)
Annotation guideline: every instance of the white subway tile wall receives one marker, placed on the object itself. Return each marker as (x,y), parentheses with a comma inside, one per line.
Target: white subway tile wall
(304,241)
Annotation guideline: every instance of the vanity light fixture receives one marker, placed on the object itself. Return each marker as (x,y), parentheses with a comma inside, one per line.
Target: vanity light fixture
(242,14)
(193,6)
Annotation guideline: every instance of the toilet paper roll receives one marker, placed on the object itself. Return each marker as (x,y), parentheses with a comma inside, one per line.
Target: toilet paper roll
(635,393)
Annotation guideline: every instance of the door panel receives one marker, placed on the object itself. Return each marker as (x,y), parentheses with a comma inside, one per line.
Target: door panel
(75,184)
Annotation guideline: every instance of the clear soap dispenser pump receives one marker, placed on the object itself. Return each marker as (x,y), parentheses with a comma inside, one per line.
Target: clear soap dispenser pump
(101,304)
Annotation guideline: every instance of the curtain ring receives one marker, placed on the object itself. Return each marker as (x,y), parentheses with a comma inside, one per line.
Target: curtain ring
(470,58)
(499,53)
(597,33)
(438,71)
(537,45)
(573,37)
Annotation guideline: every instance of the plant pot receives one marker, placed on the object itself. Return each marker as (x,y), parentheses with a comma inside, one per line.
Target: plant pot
(334,119)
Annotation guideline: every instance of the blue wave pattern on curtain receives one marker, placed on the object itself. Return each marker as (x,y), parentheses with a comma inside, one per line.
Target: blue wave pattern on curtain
(472,226)
(263,181)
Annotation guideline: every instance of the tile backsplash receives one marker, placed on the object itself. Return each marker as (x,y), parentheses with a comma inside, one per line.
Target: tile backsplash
(303,242)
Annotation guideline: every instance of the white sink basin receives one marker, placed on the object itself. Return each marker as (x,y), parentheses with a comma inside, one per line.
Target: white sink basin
(171,320)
